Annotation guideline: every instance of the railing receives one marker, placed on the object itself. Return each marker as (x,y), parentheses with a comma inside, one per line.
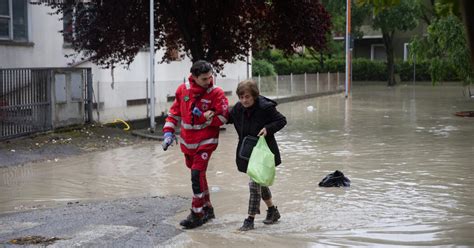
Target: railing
(302,84)
(129,100)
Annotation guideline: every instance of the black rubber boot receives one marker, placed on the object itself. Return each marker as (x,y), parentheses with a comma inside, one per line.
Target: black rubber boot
(208,214)
(192,221)
(272,216)
(248,225)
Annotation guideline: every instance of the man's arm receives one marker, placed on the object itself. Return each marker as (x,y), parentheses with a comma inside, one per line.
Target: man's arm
(172,120)
(174,115)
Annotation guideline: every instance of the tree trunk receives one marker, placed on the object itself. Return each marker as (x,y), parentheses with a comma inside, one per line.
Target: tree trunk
(191,36)
(387,40)
(468,7)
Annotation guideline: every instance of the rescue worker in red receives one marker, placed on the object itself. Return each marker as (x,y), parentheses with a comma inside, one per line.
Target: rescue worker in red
(200,108)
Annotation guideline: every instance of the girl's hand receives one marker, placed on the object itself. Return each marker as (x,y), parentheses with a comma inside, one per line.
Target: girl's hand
(263,132)
(209,114)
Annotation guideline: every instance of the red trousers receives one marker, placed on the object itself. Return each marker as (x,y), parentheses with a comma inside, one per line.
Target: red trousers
(198,165)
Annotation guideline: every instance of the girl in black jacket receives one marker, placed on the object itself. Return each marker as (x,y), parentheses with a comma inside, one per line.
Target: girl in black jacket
(256,115)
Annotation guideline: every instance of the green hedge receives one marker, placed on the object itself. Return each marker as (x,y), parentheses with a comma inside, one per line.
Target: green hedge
(406,71)
(362,69)
(368,70)
(262,68)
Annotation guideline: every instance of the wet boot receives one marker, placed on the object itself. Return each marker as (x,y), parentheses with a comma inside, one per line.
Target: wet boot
(248,225)
(192,221)
(272,216)
(208,214)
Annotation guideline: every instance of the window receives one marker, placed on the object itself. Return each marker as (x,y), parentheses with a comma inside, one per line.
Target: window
(13,20)
(72,9)
(68,24)
(406,51)
(377,52)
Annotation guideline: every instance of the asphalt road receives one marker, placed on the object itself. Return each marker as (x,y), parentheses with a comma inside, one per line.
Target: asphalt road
(136,222)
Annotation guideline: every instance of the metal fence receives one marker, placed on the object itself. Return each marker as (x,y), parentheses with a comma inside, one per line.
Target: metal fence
(26,99)
(302,84)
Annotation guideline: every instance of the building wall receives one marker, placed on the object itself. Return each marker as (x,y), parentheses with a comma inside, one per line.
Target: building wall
(112,88)
(364,47)
(45,43)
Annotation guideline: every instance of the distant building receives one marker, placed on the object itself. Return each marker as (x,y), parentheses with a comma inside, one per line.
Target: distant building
(371,45)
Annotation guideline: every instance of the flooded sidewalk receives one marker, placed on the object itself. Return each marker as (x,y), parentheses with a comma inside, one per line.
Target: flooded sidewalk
(408,157)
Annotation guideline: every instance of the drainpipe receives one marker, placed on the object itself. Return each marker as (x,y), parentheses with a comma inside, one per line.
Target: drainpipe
(89,96)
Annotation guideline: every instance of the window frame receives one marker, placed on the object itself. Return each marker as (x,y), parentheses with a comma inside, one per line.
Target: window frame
(9,17)
(406,51)
(70,18)
(72,8)
(372,50)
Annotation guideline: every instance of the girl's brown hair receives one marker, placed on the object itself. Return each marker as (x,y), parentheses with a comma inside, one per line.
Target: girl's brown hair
(248,86)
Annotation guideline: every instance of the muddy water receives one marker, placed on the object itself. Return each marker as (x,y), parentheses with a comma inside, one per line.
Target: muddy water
(409,158)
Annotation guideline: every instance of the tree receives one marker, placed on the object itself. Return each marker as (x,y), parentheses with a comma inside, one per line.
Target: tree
(337,10)
(445,45)
(466,10)
(462,9)
(379,5)
(447,21)
(110,32)
(443,13)
(398,17)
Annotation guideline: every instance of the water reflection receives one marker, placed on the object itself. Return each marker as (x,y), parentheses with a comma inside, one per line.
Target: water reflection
(409,159)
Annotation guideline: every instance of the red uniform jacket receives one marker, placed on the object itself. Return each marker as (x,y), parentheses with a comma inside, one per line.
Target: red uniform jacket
(197,133)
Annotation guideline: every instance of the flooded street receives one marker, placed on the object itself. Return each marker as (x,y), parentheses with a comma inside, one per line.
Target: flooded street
(409,158)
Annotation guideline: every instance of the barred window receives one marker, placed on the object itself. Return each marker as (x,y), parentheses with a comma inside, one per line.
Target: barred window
(13,20)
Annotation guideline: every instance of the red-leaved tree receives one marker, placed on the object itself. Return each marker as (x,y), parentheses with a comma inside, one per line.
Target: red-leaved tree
(110,32)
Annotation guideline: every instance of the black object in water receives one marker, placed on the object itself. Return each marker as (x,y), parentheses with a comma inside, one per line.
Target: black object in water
(335,179)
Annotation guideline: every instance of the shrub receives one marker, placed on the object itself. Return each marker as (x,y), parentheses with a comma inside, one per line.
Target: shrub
(368,70)
(282,67)
(334,65)
(362,69)
(262,68)
(405,69)
(301,66)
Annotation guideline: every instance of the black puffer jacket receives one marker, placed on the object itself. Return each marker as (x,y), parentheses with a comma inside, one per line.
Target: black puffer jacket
(250,121)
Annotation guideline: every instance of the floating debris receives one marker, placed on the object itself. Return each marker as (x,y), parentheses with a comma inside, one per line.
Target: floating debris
(32,240)
(465,114)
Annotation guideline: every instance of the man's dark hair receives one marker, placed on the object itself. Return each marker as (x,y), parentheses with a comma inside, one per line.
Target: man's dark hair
(200,67)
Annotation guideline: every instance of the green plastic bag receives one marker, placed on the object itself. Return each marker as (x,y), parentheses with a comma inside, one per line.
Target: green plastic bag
(261,167)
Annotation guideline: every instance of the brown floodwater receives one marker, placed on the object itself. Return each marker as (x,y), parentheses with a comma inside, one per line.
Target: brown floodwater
(409,159)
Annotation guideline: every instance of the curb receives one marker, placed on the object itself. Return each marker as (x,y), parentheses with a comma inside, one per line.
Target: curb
(145,133)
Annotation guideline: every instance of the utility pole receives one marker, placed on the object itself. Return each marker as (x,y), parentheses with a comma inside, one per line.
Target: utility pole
(152,67)
(348,51)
